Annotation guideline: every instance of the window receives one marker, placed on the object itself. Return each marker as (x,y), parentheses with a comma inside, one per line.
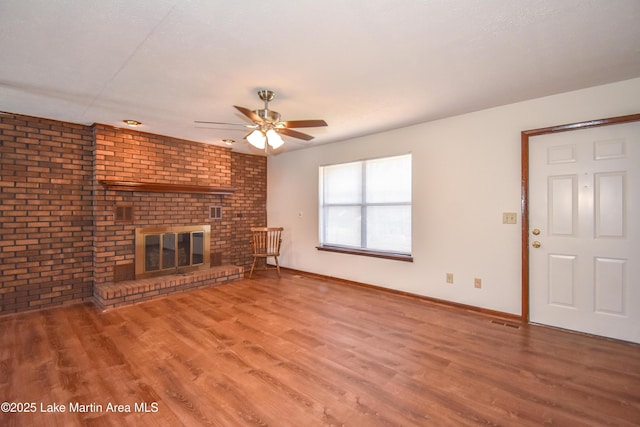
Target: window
(365,206)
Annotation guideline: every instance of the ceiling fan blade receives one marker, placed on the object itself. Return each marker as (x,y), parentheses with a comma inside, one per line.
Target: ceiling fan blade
(253,116)
(226,123)
(295,134)
(304,123)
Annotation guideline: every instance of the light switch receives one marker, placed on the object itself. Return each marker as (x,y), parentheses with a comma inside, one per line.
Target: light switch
(509,218)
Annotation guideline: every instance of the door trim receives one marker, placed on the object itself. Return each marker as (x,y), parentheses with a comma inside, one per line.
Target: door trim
(524,202)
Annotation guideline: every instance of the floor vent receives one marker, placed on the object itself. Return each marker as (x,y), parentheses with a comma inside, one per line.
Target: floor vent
(508,325)
(298,276)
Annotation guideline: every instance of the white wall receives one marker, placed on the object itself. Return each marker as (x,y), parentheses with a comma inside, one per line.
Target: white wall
(466,172)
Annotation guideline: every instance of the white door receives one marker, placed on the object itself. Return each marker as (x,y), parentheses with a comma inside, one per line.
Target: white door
(584,241)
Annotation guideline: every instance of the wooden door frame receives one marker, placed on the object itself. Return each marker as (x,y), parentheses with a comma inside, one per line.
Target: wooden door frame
(524,154)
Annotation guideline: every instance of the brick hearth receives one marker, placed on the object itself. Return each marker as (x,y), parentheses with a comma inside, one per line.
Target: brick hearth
(111,295)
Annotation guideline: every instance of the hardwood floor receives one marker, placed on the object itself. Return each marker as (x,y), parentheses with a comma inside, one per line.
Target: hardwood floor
(304,351)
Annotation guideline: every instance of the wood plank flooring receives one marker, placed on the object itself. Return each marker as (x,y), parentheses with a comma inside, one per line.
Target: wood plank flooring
(304,351)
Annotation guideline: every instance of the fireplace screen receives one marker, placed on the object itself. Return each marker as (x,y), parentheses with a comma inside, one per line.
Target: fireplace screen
(171,250)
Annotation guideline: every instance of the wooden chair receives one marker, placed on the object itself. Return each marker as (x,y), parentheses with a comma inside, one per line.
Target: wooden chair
(265,243)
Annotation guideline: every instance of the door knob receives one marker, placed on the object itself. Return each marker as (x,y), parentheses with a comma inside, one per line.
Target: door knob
(535,231)
(536,244)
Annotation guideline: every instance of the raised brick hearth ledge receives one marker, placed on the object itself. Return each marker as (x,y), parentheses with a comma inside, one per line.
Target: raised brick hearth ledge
(111,295)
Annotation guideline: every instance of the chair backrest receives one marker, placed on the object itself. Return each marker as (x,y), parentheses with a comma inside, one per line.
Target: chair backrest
(266,240)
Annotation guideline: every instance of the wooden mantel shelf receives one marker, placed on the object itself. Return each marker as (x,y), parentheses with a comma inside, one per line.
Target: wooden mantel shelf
(164,188)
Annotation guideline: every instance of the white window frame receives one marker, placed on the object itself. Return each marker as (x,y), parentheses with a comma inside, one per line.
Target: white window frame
(361,249)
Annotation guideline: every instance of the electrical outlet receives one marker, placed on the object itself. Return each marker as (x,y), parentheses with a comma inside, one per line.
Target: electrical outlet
(449,277)
(477,283)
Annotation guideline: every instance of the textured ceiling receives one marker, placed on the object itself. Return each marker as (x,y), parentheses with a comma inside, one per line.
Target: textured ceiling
(364,66)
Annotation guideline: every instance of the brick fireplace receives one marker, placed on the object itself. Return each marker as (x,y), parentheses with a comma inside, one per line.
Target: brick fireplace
(73,196)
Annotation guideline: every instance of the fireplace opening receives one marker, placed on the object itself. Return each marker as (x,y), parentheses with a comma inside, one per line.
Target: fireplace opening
(171,250)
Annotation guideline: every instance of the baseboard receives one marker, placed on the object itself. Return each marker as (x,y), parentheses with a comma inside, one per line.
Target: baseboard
(452,304)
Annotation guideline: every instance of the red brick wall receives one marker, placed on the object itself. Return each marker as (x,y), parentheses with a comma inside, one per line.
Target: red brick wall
(58,235)
(46,229)
(248,204)
(127,155)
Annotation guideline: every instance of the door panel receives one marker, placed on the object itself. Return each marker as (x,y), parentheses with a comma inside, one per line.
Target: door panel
(563,205)
(610,284)
(584,198)
(562,280)
(610,211)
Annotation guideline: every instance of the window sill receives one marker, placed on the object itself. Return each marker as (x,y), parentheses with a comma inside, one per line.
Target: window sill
(384,255)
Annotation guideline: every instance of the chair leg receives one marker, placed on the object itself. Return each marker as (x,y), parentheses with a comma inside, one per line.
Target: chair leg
(277,265)
(253,266)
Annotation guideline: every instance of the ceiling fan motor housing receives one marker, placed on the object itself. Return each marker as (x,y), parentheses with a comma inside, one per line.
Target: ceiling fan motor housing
(268,116)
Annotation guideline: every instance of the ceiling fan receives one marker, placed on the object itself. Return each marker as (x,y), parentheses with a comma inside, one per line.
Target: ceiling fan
(267,126)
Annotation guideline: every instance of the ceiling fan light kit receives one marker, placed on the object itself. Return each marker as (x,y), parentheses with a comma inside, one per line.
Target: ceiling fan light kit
(273,139)
(256,138)
(267,125)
